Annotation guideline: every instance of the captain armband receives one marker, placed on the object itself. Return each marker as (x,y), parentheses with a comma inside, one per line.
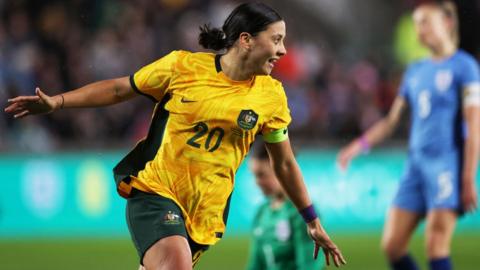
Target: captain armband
(276,136)
(471,95)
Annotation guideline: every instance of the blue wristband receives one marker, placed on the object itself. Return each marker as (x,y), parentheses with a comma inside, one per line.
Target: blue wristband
(308,214)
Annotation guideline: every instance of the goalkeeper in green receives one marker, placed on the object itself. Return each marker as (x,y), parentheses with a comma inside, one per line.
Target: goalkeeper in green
(280,240)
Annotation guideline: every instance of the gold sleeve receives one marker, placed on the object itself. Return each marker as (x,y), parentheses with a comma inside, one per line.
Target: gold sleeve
(153,80)
(276,126)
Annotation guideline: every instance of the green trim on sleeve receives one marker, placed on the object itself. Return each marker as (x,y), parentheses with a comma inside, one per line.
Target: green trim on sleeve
(276,136)
(135,88)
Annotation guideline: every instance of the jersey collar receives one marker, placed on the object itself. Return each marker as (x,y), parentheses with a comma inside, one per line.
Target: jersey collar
(218,67)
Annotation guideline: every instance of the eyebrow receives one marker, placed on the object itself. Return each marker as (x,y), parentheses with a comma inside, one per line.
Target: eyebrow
(277,36)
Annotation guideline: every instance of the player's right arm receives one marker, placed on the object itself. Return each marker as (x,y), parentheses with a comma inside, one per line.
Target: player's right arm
(96,94)
(151,81)
(374,135)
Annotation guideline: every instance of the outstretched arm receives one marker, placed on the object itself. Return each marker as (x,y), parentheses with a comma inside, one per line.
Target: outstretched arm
(374,135)
(97,94)
(290,177)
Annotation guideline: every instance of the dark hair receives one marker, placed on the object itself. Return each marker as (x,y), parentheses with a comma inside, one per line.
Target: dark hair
(248,17)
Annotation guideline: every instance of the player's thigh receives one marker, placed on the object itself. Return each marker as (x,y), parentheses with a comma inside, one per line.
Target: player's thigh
(441,220)
(172,252)
(152,218)
(440,225)
(407,209)
(399,227)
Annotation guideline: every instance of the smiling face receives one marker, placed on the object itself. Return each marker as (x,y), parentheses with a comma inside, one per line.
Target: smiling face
(266,48)
(432,27)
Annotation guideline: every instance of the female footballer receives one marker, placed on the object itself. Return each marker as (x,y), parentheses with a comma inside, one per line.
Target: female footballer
(443,94)
(178,181)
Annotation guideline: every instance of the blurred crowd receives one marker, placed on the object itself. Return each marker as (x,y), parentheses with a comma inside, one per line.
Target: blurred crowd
(62,45)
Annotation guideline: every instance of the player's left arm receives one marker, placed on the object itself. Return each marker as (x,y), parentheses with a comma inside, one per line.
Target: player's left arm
(471,114)
(288,173)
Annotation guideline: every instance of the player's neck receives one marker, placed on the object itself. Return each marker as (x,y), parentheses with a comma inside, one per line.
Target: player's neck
(234,67)
(443,51)
(277,200)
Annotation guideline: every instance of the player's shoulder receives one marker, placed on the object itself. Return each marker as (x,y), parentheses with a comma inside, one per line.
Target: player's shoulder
(462,55)
(463,58)
(262,208)
(291,209)
(191,56)
(268,83)
(195,55)
(187,62)
(415,65)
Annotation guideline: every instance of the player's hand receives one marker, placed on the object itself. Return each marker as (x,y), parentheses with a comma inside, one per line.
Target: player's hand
(28,105)
(321,239)
(469,196)
(348,153)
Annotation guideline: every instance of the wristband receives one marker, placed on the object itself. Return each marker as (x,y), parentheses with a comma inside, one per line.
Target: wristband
(364,144)
(308,214)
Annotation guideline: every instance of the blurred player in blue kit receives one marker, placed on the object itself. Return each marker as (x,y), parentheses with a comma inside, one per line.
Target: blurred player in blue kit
(443,95)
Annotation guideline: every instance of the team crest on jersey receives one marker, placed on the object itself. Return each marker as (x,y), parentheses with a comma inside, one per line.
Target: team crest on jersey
(247,119)
(443,80)
(282,230)
(171,218)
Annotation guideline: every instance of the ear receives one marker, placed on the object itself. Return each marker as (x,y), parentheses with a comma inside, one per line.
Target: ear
(245,40)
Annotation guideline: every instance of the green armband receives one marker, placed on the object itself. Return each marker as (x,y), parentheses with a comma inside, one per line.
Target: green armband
(276,136)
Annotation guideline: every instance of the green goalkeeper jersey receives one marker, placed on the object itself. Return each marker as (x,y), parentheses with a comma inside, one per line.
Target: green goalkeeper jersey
(280,240)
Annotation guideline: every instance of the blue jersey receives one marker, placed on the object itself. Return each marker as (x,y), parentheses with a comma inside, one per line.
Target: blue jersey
(433,90)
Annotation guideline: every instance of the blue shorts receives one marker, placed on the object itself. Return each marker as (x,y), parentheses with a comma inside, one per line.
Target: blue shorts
(430,182)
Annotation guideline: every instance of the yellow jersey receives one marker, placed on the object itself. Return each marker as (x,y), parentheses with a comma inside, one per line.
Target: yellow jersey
(201,130)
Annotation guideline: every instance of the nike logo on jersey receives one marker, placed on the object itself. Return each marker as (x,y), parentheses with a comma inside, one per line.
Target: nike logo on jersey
(184,100)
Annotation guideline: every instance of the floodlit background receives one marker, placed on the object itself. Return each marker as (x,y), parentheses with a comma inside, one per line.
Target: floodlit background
(58,205)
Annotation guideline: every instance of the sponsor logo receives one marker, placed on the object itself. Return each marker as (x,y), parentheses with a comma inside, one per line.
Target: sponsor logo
(171,218)
(184,100)
(247,119)
(282,230)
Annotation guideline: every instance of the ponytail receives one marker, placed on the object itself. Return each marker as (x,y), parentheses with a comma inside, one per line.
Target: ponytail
(251,18)
(212,38)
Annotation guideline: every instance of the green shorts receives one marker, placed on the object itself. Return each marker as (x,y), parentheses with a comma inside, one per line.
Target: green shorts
(151,217)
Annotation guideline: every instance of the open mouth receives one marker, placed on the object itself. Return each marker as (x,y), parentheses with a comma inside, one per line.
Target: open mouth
(272,61)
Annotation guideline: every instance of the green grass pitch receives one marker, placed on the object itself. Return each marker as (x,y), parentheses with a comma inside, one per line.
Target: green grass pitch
(361,251)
